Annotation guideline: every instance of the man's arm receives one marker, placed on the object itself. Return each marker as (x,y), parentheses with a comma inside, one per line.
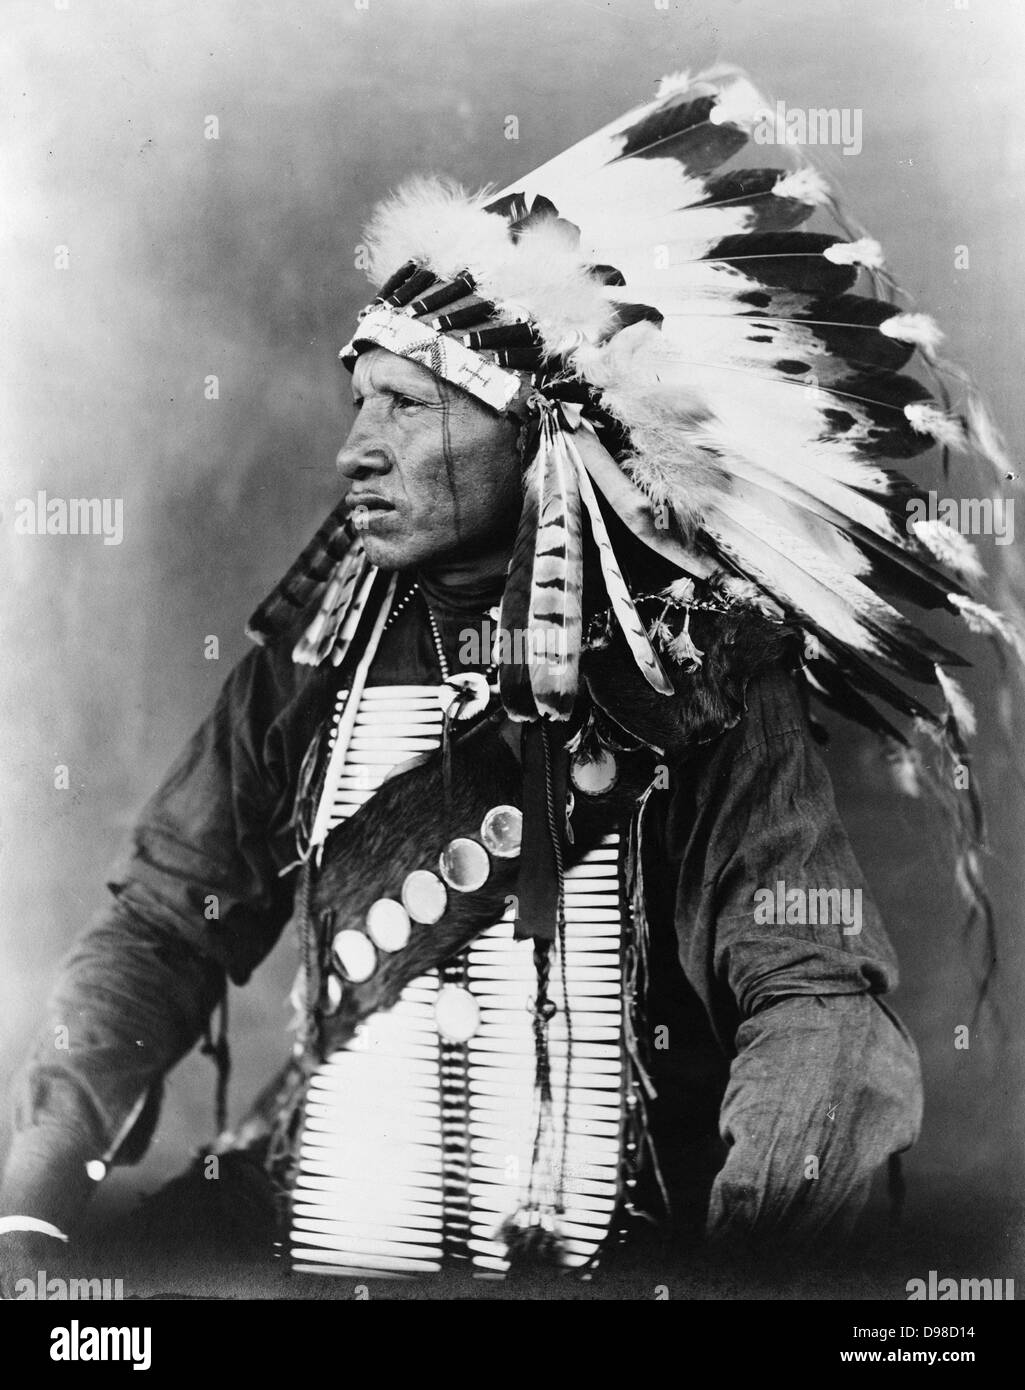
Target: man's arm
(824,1083)
(196,899)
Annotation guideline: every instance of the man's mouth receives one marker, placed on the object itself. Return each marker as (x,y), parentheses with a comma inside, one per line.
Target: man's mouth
(366,503)
(368,510)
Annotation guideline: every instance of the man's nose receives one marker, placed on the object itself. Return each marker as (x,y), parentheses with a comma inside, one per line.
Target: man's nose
(364,453)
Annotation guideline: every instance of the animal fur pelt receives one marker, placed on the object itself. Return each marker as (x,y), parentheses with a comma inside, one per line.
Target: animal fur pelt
(368,856)
(735,644)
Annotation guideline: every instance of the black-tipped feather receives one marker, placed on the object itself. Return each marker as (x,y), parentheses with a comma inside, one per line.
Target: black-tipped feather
(907,574)
(839,695)
(753,188)
(786,260)
(682,131)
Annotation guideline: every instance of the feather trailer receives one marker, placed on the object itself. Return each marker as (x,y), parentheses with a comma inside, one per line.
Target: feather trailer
(320,636)
(554,617)
(363,586)
(305,578)
(629,619)
(514,616)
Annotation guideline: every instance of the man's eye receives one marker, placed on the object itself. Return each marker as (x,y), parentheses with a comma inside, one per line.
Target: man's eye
(407,403)
(357,404)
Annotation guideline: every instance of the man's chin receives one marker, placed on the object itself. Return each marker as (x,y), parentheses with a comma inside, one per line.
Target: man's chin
(393,552)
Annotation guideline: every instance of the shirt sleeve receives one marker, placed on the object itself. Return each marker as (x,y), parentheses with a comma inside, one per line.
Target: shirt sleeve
(196,899)
(779,936)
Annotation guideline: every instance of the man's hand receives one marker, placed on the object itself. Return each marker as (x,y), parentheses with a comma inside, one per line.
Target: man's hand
(23,1255)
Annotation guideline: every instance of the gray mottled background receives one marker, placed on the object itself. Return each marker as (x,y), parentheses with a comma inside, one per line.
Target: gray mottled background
(191,256)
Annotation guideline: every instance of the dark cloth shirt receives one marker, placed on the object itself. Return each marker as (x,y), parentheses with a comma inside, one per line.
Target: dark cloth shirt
(783,1080)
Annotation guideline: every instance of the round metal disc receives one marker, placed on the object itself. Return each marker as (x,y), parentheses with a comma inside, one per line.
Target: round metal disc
(424,896)
(594,776)
(502,830)
(388,924)
(464,865)
(355,955)
(456,1013)
(477,699)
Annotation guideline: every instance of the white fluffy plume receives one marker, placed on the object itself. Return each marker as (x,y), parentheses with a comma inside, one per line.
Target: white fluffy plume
(544,277)
(865,251)
(929,419)
(920,329)
(437,224)
(949,547)
(980,618)
(807,185)
(668,426)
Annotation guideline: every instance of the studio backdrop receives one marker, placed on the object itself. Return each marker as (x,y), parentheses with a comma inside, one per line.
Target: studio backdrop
(185,184)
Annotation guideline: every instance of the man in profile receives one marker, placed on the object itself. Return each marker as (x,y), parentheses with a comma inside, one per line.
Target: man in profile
(563,971)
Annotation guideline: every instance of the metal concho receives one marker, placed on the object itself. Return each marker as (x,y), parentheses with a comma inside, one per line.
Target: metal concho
(424,896)
(502,830)
(355,955)
(388,924)
(464,865)
(594,776)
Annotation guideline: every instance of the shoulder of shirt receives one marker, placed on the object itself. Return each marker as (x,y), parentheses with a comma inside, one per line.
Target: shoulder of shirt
(774,713)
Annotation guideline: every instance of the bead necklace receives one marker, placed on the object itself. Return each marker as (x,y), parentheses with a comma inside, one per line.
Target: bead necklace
(439,649)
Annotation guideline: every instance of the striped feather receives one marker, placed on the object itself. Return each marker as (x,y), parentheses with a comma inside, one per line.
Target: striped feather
(320,636)
(554,616)
(362,587)
(304,580)
(629,620)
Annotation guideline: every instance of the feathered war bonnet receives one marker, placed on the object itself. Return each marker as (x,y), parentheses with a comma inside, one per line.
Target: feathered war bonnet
(649,286)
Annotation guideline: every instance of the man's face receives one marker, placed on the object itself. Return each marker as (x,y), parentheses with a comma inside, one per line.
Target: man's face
(433,474)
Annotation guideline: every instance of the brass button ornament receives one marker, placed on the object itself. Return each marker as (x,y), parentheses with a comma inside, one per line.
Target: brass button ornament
(502,830)
(594,776)
(456,1013)
(464,865)
(388,924)
(355,955)
(424,897)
